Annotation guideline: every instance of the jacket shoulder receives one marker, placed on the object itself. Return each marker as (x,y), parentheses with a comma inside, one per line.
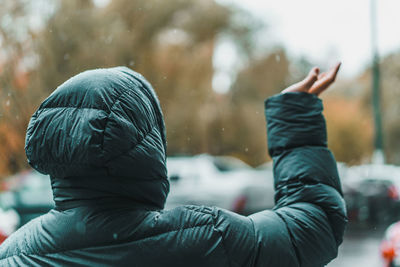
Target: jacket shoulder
(23,241)
(218,233)
(212,236)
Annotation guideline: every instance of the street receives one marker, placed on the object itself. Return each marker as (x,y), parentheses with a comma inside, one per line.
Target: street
(360,248)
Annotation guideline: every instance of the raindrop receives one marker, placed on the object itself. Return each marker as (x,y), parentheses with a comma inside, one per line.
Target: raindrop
(131,63)
(115,236)
(8,103)
(188,139)
(223,129)
(246,149)
(9,94)
(66,56)
(109,39)
(165,77)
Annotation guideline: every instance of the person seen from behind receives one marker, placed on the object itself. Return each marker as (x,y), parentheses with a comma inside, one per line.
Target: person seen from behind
(100,136)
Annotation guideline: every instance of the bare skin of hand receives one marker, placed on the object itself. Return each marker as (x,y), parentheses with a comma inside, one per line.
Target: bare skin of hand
(315,83)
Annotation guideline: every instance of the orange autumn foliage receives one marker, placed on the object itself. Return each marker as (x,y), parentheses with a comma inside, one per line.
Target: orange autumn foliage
(350,129)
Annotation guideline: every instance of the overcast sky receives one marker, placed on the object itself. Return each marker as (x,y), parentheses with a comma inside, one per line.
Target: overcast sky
(326,31)
(322,31)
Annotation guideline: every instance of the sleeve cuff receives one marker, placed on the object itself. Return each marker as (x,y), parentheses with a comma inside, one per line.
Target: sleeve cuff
(294,120)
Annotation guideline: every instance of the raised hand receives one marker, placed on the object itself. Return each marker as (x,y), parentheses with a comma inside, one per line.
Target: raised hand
(315,83)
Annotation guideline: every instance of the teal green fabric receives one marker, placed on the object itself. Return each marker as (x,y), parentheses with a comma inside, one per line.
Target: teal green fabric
(101,138)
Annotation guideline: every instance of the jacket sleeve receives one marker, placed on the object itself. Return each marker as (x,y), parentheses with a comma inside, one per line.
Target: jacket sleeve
(307,224)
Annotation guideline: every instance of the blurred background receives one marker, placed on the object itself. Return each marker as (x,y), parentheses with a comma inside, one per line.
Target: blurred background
(212,63)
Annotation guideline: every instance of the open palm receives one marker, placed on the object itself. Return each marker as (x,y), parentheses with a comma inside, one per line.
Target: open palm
(315,83)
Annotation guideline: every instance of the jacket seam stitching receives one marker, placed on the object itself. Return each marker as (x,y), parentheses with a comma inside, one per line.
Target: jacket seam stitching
(67,107)
(303,183)
(255,243)
(83,248)
(135,145)
(296,252)
(108,117)
(222,242)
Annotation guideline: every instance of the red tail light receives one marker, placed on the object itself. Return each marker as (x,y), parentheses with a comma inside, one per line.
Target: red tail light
(393,193)
(239,204)
(388,251)
(2,237)
(3,186)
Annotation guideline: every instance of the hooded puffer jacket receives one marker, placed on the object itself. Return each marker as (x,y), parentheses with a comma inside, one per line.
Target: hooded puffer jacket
(101,138)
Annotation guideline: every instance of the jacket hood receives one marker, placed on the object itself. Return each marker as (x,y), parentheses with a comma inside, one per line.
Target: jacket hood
(101,138)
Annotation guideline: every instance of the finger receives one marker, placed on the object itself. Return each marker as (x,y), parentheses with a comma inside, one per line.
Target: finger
(305,84)
(326,80)
(333,72)
(311,78)
(308,81)
(322,75)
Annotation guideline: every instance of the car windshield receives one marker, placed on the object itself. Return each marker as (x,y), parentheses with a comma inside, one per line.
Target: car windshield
(225,164)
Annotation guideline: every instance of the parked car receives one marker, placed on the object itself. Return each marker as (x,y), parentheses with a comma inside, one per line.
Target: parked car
(371,193)
(356,202)
(202,180)
(390,246)
(28,193)
(225,182)
(9,221)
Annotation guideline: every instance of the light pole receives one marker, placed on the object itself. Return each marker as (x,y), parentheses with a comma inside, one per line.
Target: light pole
(378,156)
